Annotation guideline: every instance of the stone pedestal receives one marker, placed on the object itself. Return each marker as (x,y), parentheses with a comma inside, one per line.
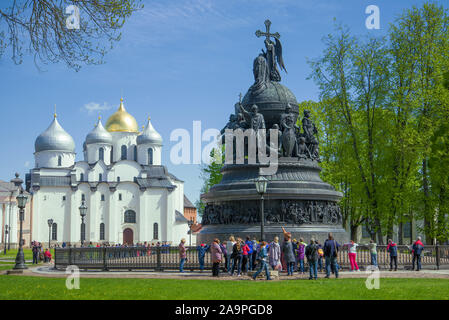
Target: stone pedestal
(296,199)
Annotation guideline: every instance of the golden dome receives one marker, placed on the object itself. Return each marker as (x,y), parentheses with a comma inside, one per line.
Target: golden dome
(122,121)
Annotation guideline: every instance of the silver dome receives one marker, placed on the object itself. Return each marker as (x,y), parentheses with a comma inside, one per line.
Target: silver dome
(55,138)
(99,135)
(149,135)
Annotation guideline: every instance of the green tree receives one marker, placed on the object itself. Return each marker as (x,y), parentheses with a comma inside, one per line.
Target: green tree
(39,28)
(211,175)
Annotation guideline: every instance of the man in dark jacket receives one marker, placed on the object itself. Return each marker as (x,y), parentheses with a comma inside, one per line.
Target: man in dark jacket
(392,248)
(417,250)
(330,249)
(312,259)
(289,256)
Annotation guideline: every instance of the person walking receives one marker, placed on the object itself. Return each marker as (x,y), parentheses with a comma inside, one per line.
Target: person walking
(320,255)
(216,253)
(249,243)
(263,257)
(372,246)
(392,248)
(289,256)
(224,253)
(182,254)
(254,257)
(417,250)
(237,255)
(202,249)
(274,254)
(330,249)
(229,248)
(311,253)
(35,251)
(352,255)
(301,249)
(245,259)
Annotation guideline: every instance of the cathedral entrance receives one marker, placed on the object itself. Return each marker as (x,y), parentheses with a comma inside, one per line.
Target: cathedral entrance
(128,237)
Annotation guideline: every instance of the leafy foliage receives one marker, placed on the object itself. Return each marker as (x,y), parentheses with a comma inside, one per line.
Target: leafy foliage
(39,28)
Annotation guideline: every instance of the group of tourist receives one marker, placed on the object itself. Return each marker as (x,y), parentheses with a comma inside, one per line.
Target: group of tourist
(39,253)
(239,256)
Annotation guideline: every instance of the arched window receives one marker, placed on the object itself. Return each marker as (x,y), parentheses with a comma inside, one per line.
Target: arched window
(102,231)
(54,232)
(124,153)
(135,153)
(130,216)
(83,231)
(100,177)
(150,156)
(101,154)
(112,154)
(59,161)
(155,231)
(82,177)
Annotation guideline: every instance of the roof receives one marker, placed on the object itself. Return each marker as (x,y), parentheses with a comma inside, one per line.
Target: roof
(179,217)
(7,186)
(188,203)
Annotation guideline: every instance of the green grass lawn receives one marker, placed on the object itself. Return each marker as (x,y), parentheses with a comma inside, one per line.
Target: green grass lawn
(17,287)
(11,254)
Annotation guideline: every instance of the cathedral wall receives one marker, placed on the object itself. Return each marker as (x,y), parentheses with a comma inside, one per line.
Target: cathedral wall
(123,138)
(143,154)
(93,153)
(49,204)
(94,173)
(126,170)
(130,195)
(50,159)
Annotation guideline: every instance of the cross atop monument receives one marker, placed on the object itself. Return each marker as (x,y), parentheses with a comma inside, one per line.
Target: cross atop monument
(267,34)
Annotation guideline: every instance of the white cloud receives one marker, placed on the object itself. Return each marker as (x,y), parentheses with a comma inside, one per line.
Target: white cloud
(27,164)
(93,107)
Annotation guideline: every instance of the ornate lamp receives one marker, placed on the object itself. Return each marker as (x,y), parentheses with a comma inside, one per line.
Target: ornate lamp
(50,224)
(261,188)
(83,212)
(21,203)
(190,223)
(261,185)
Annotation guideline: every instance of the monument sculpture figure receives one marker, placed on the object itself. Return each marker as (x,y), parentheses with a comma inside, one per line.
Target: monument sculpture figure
(288,122)
(296,196)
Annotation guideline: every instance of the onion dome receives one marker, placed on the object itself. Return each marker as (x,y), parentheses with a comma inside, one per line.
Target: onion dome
(99,135)
(122,121)
(149,135)
(55,138)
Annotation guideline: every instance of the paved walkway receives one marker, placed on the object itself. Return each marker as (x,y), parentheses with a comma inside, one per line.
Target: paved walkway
(48,271)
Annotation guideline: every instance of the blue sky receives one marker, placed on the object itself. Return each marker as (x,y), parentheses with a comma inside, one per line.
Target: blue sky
(178,61)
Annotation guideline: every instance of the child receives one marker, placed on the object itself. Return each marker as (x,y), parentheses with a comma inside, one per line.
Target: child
(352,253)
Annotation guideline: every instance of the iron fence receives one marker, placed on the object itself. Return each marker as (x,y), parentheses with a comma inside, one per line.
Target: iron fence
(167,258)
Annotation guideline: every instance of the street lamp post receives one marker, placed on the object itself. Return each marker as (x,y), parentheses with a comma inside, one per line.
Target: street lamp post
(83,212)
(21,203)
(190,230)
(6,235)
(50,224)
(261,187)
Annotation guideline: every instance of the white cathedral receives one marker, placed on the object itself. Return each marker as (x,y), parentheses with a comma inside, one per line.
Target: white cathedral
(130,196)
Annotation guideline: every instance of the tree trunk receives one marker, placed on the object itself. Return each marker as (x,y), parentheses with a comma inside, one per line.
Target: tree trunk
(401,233)
(428,217)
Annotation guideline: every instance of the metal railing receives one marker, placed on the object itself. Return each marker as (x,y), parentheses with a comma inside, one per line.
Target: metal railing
(167,258)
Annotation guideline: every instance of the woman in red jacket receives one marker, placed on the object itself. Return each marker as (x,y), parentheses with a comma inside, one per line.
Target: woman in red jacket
(245,251)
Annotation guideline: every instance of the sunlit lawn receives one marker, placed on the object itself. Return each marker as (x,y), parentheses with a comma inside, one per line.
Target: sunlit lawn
(18,287)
